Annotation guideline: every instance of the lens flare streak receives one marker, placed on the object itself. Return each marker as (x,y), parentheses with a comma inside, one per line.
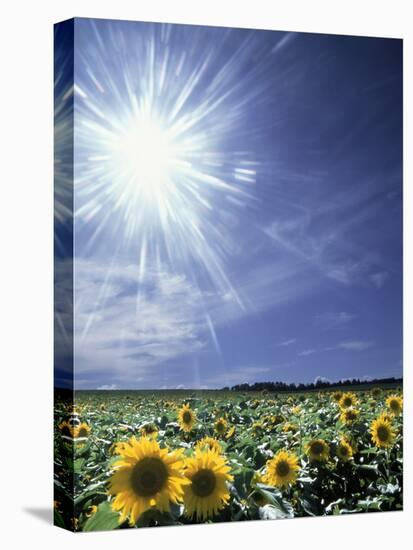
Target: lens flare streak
(156,158)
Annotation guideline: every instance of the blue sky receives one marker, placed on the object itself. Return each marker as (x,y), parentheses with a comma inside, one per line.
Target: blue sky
(270,246)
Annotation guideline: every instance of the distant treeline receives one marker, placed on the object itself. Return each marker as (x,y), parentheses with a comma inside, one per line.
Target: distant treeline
(318,385)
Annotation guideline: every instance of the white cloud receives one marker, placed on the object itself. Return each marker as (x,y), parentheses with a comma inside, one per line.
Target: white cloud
(108,387)
(131,327)
(333,319)
(378,279)
(321,379)
(288,342)
(120,333)
(324,235)
(306,352)
(356,345)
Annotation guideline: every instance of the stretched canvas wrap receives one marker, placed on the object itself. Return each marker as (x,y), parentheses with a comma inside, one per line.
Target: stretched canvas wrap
(228,274)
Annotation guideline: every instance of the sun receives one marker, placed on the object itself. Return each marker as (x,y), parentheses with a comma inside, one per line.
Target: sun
(161,163)
(144,155)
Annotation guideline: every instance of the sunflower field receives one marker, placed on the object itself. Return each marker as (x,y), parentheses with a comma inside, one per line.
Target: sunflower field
(139,459)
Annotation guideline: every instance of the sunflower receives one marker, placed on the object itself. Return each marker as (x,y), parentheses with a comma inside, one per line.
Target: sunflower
(186,418)
(382,433)
(395,404)
(66,429)
(257,429)
(348,400)
(387,417)
(376,392)
(117,448)
(348,416)
(258,497)
(337,396)
(91,511)
(317,450)
(344,450)
(221,426)
(289,427)
(150,430)
(207,492)
(296,409)
(209,443)
(230,432)
(277,419)
(145,477)
(83,430)
(282,470)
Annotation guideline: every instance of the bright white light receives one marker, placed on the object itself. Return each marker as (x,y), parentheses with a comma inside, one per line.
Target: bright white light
(144,155)
(160,161)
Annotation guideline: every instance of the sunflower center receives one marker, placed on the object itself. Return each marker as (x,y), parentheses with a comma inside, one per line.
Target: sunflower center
(382,433)
(394,405)
(82,432)
(317,448)
(203,483)
(347,402)
(282,468)
(149,476)
(187,417)
(343,450)
(149,429)
(66,431)
(220,427)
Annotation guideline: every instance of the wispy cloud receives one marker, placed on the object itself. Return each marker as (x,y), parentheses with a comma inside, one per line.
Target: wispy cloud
(378,279)
(131,327)
(306,352)
(122,332)
(108,387)
(288,342)
(286,39)
(332,319)
(324,234)
(356,345)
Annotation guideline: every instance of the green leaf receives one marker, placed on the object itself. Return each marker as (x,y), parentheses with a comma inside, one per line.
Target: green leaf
(163,422)
(277,511)
(285,509)
(153,517)
(58,519)
(310,505)
(105,519)
(92,490)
